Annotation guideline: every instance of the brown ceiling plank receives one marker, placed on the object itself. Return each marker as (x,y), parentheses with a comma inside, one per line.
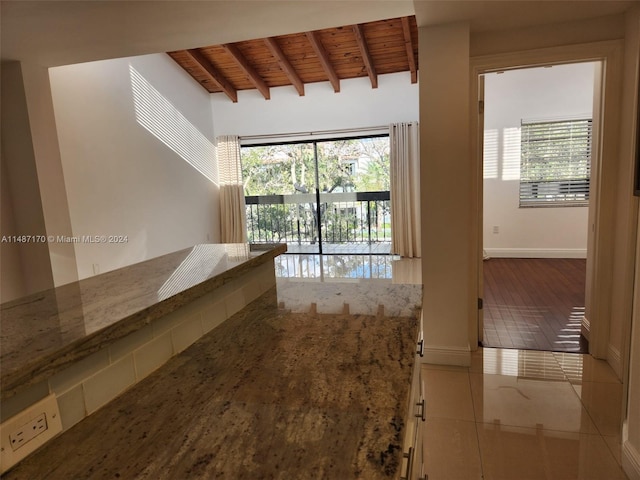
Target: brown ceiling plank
(366,56)
(213,74)
(262,60)
(183,59)
(408,42)
(324,60)
(248,69)
(285,65)
(385,42)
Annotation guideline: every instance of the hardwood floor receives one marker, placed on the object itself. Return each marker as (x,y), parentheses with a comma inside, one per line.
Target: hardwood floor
(534,304)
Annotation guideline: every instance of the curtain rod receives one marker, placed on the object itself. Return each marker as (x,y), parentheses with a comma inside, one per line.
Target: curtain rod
(312,134)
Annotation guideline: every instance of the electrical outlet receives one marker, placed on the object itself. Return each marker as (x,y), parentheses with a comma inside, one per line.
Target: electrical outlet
(28,430)
(496,229)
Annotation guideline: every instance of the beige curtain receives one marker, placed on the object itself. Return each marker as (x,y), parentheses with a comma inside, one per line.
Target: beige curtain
(233,225)
(405,189)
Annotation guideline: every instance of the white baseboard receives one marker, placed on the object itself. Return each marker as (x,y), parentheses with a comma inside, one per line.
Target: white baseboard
(536,252)
(630,461)
(614,358)
(585,328)
(458,356)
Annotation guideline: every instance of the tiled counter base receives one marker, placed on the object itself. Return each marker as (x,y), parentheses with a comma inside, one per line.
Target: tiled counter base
(266,394)
(85,382)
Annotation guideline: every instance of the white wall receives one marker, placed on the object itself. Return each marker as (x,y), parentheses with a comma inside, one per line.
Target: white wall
(564,91)
(357,105)
(12,283)
(26,266)
(53,194)
(631,430)
(446,194)
(119,126)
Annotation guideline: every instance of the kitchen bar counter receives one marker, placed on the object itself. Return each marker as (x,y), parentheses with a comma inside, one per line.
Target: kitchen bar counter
(266,394)
(49,331)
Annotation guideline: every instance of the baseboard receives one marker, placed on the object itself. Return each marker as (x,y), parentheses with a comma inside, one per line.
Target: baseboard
(458,356)
(614,358)
(630,461)
(536,252)
(585,329)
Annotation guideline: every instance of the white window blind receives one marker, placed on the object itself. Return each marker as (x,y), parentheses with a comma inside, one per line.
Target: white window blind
(555,163)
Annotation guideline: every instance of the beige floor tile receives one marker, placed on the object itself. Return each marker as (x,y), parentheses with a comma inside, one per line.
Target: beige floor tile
(407,270)
(603,401)
(447,394)
(527,453)
(523,402)
(580,368)
(451,450)
(614,442)
(477,361)
(520,363)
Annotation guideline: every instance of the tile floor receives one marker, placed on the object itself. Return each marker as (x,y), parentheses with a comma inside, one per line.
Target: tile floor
(342,248)
(349,267)
(518,415)
(357,284)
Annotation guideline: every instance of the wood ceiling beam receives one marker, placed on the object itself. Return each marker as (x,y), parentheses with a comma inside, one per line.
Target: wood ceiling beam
(408,43)
(213,74)
(366,56)
(284,64)
(246,67)
(323,56)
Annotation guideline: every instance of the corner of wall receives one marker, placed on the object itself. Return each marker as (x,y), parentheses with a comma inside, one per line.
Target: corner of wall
(21,182)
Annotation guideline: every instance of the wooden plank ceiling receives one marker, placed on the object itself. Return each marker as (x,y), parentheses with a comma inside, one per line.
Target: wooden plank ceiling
(332,54)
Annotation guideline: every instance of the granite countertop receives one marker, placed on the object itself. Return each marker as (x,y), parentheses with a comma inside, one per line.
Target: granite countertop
(267,394)
(48,331)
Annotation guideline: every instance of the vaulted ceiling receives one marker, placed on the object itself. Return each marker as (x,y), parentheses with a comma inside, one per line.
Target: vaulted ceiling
(332,54)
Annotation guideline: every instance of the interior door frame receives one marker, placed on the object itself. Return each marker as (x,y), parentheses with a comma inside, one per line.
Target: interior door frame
(603,182)
(480,155)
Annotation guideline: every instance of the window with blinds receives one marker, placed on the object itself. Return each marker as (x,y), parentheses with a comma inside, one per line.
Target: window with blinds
(555,163)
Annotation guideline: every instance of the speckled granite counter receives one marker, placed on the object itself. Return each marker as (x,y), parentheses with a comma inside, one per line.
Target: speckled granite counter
(48,331)
(267,394)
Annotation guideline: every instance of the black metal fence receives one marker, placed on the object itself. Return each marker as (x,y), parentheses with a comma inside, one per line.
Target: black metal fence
(353,217)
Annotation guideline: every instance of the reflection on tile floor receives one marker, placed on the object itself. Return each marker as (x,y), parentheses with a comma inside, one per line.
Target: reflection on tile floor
(516,414)
(342,248)
(349,267)
(363,284)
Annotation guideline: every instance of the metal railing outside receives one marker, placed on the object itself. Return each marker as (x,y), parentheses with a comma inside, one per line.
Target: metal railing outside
(352,217)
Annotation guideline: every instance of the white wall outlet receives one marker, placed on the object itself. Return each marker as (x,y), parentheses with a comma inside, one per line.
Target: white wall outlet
(496,229)
(30,429)
(96,268)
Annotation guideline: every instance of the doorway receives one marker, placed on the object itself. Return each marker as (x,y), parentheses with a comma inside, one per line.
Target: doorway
(537,130)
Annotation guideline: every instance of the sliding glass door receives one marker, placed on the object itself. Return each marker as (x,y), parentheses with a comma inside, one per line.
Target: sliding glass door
(329,196)
(280,189)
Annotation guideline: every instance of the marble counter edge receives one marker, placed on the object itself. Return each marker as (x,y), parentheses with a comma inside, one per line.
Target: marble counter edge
(190,360)
(44,367)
